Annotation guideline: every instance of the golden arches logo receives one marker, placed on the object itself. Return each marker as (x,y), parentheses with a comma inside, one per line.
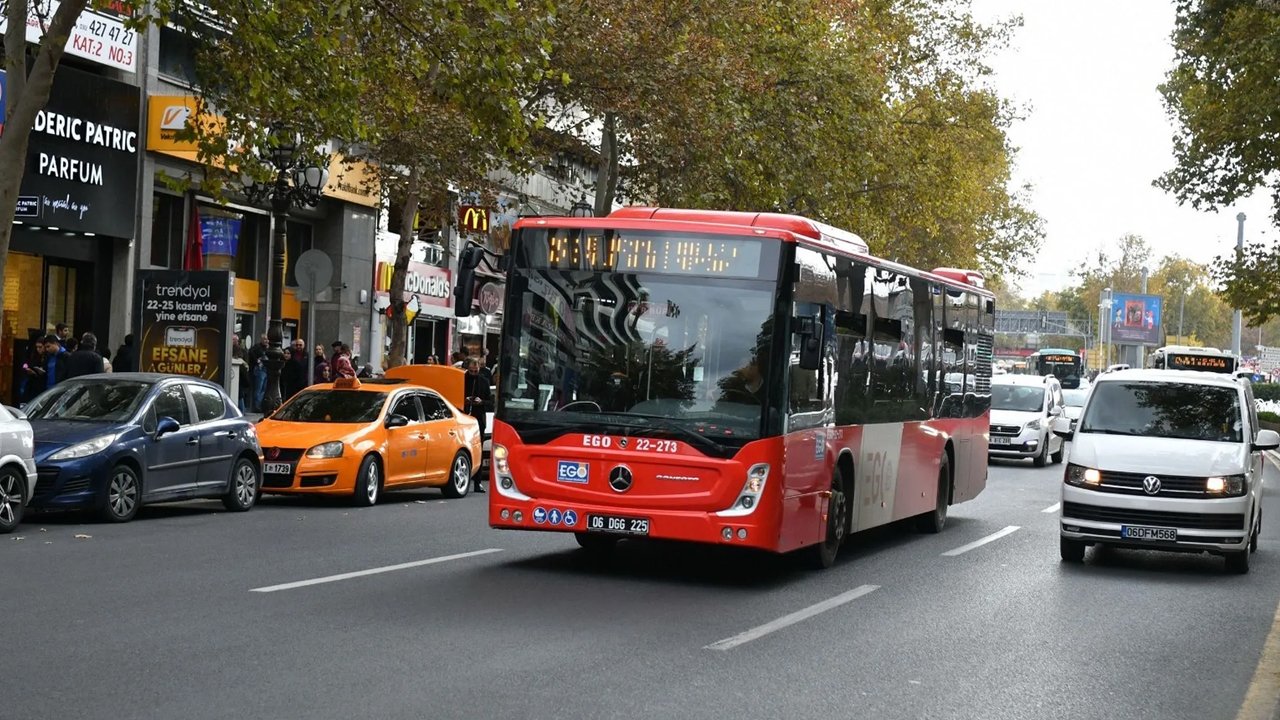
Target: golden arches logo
(473,218)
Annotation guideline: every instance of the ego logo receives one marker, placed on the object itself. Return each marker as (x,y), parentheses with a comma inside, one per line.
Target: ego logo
(573,471)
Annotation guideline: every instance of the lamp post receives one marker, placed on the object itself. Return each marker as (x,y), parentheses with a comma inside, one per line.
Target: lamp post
(1236,320)
(581,209)
(1104,320)
(296,184)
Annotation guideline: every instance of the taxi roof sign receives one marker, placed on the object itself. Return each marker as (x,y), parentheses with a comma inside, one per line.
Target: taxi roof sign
(346,383)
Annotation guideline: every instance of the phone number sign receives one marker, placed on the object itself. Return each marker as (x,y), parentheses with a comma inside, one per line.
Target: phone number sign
(97,37)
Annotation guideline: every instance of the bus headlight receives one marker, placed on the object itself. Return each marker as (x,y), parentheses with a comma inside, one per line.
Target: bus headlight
(752,489)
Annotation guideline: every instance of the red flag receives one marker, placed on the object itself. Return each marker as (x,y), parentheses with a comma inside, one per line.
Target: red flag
(193,256)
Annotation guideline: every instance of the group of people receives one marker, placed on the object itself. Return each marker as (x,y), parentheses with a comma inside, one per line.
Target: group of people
(294,375)
(59,356)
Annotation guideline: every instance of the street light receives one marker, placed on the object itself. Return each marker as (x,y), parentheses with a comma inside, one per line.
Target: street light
(581,209)
(297,184)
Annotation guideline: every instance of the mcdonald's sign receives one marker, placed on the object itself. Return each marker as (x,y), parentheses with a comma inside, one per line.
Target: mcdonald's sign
(473,218)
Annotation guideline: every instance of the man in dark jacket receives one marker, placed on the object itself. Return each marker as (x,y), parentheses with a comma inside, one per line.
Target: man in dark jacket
(293,376)
(85,360)
(126,357)
(475,389)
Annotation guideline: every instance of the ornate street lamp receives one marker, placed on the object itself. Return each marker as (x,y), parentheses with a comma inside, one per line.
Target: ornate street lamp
(582,209)
(295,184)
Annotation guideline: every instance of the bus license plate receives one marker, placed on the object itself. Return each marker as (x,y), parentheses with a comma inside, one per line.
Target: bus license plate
(619,525)
(999,441)
(1149,533)
(277,468)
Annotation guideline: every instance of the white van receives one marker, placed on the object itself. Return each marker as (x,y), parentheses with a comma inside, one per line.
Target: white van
(1023,408)
(1166,460)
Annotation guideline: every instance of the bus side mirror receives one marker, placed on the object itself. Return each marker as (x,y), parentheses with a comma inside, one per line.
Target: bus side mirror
(810,332)
(464,287)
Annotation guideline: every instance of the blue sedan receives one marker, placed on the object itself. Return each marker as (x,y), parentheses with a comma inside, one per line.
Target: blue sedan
(117,441)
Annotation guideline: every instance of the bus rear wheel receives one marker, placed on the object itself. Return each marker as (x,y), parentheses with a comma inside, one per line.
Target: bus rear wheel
(823,555)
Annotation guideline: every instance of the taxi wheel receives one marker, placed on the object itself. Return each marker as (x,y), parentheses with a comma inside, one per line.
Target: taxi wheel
(368,482)
(242,492)
(459,477)
(13,493)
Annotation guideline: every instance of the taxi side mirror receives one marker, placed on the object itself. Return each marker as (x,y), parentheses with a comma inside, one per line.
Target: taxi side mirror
(395,421)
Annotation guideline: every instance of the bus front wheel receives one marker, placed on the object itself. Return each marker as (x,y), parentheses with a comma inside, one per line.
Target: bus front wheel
(823,555)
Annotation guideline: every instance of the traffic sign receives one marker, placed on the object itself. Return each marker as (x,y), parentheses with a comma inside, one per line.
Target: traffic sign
(1268,359)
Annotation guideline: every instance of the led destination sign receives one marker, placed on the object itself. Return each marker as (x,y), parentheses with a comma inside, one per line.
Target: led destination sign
(648,253)
(1208,363)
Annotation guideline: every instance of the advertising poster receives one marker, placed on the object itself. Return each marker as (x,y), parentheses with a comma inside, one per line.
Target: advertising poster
(1136,320)
(185,323)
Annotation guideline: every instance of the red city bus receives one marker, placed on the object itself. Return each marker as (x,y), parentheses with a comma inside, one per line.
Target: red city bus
(745,379)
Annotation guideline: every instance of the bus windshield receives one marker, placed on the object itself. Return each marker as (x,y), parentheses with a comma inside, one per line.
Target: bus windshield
(680,355)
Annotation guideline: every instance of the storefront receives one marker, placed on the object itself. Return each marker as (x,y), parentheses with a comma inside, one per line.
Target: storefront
(428,292)
(75,220)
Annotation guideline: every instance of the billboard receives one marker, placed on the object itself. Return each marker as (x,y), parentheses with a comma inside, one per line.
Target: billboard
(1136,319)
(185,322)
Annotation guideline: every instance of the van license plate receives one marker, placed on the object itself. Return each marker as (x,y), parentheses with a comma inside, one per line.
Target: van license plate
(1149,533)
(999,441)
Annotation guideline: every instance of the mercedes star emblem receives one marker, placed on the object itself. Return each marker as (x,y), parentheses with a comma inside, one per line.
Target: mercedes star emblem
(1151,484)
(622,443)
(620,478)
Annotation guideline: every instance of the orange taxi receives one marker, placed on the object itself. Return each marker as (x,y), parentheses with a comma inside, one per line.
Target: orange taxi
(358,438)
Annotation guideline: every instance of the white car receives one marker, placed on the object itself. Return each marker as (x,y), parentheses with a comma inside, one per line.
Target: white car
(1166,460)
(1072,406)
(17,467)
(1023,408)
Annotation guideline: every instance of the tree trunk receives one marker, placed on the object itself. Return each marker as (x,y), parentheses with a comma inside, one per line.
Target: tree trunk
(399,323)
(28,93)
(607,178)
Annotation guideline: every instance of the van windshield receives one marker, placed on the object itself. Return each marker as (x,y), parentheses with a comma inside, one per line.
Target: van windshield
(1185,411)
(1021,398)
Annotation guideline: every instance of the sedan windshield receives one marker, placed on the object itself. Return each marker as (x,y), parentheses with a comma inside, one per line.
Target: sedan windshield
(84,401)
(1074,398)
(1020,398)
(1175,410)
(332,406)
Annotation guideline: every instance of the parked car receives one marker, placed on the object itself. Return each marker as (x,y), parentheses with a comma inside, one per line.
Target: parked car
(1023,408)
(356,438)
(17,467)
(1166,460)
(117,441)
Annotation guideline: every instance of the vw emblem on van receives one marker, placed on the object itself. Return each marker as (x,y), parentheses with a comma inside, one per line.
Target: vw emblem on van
(1151,484)
(620,478)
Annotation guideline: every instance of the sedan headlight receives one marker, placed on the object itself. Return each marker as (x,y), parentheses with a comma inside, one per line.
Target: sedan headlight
(1034,425)
(325,451)
(86,448)
(1081,476)
(1226,485)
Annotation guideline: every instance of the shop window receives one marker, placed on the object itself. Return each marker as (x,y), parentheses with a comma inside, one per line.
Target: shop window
(252,236)
(178,55)
(22,304)
(166,230)
(60,295)
(298,240)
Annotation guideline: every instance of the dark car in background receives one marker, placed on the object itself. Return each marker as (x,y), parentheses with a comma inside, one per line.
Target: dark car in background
(117,441)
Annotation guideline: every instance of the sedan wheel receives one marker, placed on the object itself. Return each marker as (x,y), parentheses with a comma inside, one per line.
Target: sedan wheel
(368,482)
(124,494)
(13,491)
(459,477)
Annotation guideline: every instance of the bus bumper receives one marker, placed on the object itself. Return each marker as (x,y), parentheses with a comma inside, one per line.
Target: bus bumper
(754,531)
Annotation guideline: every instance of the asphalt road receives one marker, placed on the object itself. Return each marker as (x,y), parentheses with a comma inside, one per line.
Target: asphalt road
(166,618)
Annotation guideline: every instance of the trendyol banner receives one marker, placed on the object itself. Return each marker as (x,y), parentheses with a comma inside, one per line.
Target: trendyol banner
(185,322)
(81,172)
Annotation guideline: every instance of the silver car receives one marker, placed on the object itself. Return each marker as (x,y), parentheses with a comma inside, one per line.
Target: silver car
(17,467)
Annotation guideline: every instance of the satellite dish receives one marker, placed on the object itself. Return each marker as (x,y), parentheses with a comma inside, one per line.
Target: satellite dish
(313,270)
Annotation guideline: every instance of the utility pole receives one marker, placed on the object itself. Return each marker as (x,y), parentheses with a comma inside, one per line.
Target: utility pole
(1238,322)
(1139,351)
(1182,306)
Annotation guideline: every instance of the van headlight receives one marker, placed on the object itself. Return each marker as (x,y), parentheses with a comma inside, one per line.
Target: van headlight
(1226,485)
(1034,424)
(1081,476)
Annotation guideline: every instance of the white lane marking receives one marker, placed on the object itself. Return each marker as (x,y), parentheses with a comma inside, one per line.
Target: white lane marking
(373,571)
(760,631)
(979,543)
(1052,508)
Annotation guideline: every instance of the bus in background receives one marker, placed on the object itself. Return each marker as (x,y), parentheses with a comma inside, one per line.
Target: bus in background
(1065,365)
(1182,357)
(747,379)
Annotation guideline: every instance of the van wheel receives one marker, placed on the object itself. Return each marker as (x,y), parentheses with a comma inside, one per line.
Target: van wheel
(1043,458)
(823,555)
(13,497)
(1072,551)
(1257,530)
(1237,563)
(933,522)
(1057,457)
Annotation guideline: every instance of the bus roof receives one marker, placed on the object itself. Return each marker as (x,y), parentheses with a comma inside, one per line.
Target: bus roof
(788,227)
(1055,351)
(1190,349)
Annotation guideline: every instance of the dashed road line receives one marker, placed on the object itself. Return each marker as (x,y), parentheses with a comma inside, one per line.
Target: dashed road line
(785,621)
(982,541)
(373,571)
(1052,508)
